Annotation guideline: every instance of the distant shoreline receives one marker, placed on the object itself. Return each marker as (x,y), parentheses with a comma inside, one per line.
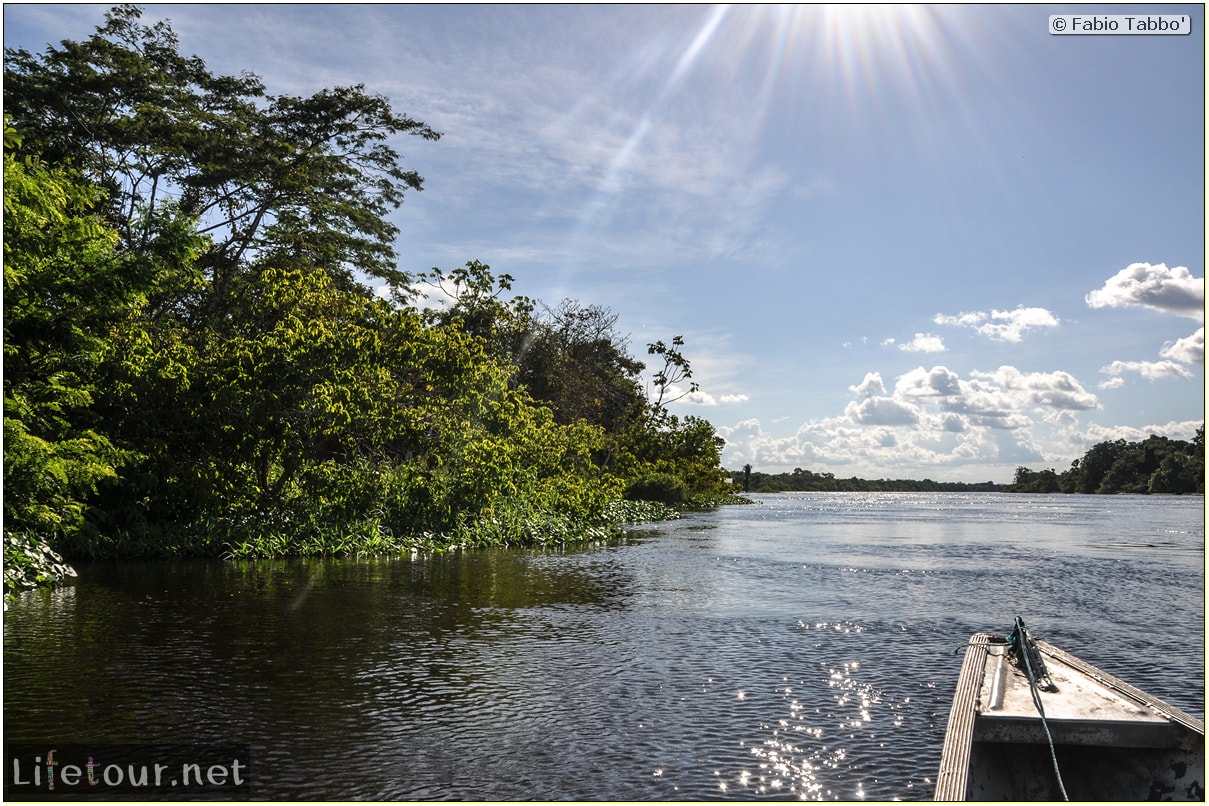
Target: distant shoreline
(801,481)
(770,483)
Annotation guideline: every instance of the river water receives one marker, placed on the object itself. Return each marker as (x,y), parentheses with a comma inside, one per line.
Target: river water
(798,648)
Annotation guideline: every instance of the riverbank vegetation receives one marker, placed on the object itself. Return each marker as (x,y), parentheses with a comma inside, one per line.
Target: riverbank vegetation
(1154,465)
(209,348)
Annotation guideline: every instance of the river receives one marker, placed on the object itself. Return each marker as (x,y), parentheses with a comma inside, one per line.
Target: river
(798,648)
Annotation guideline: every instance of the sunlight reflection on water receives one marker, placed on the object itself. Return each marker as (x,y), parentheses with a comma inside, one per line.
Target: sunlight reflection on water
(800,648)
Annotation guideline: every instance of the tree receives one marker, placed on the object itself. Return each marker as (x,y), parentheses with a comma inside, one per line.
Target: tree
(1155,465)
(193,366)
(1069,479)
(316,409)
(1028,481)
(476,307)
(1096,463)
(1176,473)
(575,362)
(64,287)
(570,359)
(675,368)
(280,180)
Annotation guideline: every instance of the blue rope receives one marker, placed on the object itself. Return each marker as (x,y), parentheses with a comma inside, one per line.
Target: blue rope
(1020,637)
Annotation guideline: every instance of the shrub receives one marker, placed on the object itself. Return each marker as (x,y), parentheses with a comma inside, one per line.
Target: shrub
(29,562)
(662,487)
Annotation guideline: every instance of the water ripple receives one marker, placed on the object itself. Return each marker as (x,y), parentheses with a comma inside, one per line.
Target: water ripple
(798,649)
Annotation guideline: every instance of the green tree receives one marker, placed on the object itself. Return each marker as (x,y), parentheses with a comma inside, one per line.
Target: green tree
(575,362)
(676,368)
(1196,453)
(316,411)
(661,443)
(1096,463)
(192,366)
(1176,473)
(272,179)
(476,306)
(1029,481)
(1068,480)
(64,287)
(1154,465)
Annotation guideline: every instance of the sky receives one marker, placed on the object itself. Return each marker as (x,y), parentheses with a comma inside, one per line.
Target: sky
(899,242)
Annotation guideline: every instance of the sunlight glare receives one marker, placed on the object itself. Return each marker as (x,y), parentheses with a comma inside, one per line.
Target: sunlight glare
(873,55)
(600,208)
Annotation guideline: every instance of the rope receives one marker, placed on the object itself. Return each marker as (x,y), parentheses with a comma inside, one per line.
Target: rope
(983,644)
(1024,644)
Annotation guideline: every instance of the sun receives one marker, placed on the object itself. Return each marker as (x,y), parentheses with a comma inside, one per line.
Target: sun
(863,55)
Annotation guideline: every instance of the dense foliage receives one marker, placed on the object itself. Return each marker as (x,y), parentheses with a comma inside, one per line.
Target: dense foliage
(192,365)
(806,481)
(1154,465)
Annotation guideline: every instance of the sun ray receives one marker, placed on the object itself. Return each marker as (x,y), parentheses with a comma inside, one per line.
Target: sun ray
(597,211)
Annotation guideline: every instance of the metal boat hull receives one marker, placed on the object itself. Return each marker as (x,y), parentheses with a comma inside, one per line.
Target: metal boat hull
(1110,741)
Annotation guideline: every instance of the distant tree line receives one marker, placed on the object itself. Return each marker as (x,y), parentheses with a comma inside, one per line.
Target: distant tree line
(196,362)
(806,481)
(1154,465)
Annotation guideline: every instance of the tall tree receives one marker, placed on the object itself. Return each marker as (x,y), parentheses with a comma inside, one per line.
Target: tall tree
(191,362)
(575,361)
(64,287)
(288,180)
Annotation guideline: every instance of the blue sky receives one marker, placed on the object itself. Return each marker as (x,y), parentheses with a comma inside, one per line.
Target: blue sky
(899,242)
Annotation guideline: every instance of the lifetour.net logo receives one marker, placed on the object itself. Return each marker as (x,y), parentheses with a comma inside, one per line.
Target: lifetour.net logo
(67,772)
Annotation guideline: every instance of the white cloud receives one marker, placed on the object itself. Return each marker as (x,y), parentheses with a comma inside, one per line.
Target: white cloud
(693,398)
(1156,287)
(933,419)
(930,447)
(924,343)
(1162,289)
(1185,430)
(882,411)
(954,423)
(870,386)
(1002,325)
(1189,350)
(928,383)
(699,398)
(1151,370)
(973,319)
(1057,390)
